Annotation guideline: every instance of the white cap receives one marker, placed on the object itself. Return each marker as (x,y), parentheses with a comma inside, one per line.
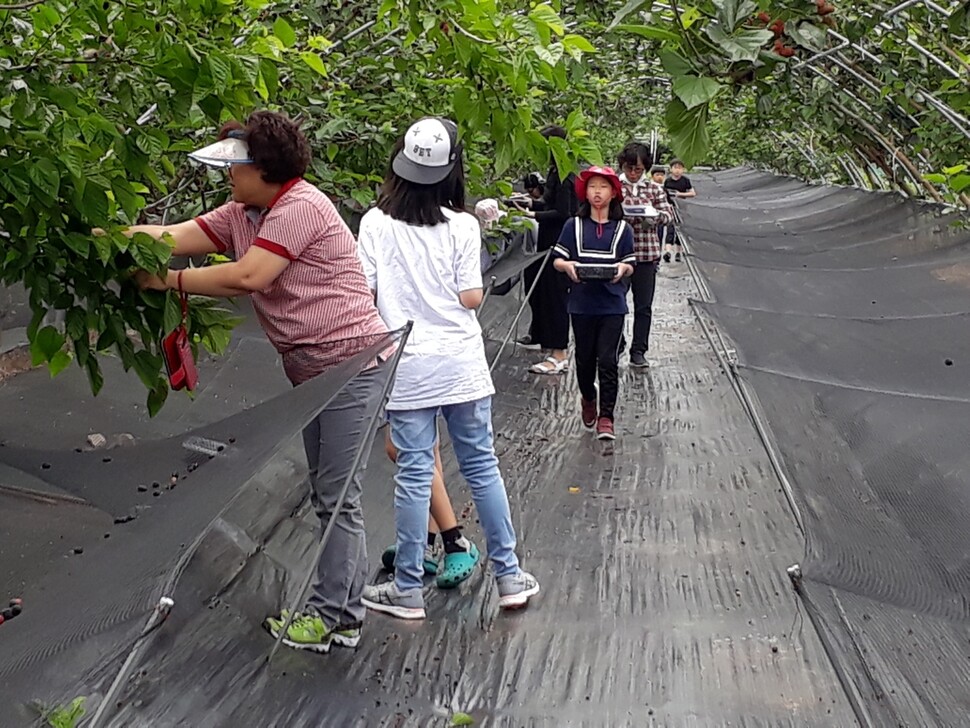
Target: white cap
(223,153)
(430,151)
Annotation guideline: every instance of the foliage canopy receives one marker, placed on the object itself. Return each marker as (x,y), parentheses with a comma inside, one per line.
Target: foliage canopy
(100,100)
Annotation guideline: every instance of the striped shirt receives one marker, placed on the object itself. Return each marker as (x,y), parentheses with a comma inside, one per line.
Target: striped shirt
(591,243)
(319,311)
(646,242)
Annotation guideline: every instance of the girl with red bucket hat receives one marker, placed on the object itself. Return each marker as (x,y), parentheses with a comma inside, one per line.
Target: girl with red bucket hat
(595,250)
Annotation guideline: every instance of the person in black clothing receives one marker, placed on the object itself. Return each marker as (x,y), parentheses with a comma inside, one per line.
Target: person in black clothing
(535,185)
(678,186)
(549,329)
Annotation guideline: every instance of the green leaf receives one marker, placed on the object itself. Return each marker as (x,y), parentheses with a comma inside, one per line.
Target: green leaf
(314,61)
(66,717)
(688,131)
(461,103)
(95,205)
(675,64)
(690,16)
(157,397)
(544,16)
(148,367)
(651,31)
(696,90)
(104,248)
(551,54)
(731,12)
(45,344)
(956,169)
(588,150)
(95,377)
(937,179)
(59,363)
(173,312)
(741,46)
(45,175)
(575,121)
(572,42)
(560,153)
(459,719)
(810,36)
(76,324)
(959,183)
(220,69)
(80,243)
(270,75)
(284,31)
(216,339)
(632,6)
(261,88)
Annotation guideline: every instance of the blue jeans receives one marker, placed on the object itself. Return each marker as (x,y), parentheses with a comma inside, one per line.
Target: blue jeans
(413,433)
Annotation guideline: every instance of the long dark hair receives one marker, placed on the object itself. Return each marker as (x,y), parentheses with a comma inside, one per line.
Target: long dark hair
(421,204)
(616,209)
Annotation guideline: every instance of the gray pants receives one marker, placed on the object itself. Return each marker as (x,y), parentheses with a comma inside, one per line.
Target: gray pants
(331,442)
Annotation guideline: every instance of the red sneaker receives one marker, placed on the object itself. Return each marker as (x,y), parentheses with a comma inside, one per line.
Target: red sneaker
(589,413)
(604,429)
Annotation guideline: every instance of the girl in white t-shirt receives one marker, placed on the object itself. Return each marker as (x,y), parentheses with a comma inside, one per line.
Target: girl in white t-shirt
(421,254)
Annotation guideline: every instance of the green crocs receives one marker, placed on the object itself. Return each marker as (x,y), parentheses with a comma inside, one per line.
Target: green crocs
(431,556)
(458,567)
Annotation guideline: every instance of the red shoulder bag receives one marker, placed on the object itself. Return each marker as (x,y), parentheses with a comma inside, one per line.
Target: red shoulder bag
(177,352)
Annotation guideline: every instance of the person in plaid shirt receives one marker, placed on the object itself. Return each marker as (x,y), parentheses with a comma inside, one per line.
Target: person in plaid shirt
(639,189)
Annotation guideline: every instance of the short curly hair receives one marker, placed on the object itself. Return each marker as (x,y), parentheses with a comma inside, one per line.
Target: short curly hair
(276,144)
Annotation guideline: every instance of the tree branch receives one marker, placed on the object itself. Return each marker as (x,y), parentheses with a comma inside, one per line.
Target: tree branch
(22,6)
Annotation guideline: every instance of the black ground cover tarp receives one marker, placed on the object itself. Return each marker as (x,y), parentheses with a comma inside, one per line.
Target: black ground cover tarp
(849,315)
(661,559)
(121,579)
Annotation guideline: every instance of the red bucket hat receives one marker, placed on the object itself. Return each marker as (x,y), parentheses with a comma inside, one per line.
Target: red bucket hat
(606,173)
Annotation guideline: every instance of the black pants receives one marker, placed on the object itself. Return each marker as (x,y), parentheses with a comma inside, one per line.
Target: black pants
(667,235)
(550,322)
(597,340)
(644,283)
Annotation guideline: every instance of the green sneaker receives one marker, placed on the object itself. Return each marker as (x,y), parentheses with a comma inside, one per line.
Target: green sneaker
(458,566)
(308,632)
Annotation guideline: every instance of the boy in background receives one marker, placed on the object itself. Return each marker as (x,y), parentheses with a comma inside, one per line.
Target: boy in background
(678,187)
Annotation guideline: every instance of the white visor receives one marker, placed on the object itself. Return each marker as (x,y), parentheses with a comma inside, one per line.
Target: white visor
(223,153)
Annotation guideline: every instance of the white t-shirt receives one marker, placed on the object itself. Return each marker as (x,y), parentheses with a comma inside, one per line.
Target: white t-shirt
(418,273)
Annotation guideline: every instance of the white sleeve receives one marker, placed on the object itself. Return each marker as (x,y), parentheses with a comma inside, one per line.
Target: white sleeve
(365,250)
(468,252)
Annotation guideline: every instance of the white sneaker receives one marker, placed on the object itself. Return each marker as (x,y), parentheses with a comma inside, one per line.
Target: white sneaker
(387,598)
(515,590)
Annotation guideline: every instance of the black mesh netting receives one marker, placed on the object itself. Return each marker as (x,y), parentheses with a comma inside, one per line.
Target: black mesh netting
(849,313)
(213,512)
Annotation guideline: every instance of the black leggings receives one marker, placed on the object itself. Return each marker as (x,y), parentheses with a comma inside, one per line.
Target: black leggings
(550,322)
(597,341)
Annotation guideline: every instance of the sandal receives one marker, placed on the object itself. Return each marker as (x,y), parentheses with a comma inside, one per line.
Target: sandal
(558,366)
(458,567)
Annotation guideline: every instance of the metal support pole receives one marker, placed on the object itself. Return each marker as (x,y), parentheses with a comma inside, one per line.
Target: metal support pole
(518,314)
(363,450)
